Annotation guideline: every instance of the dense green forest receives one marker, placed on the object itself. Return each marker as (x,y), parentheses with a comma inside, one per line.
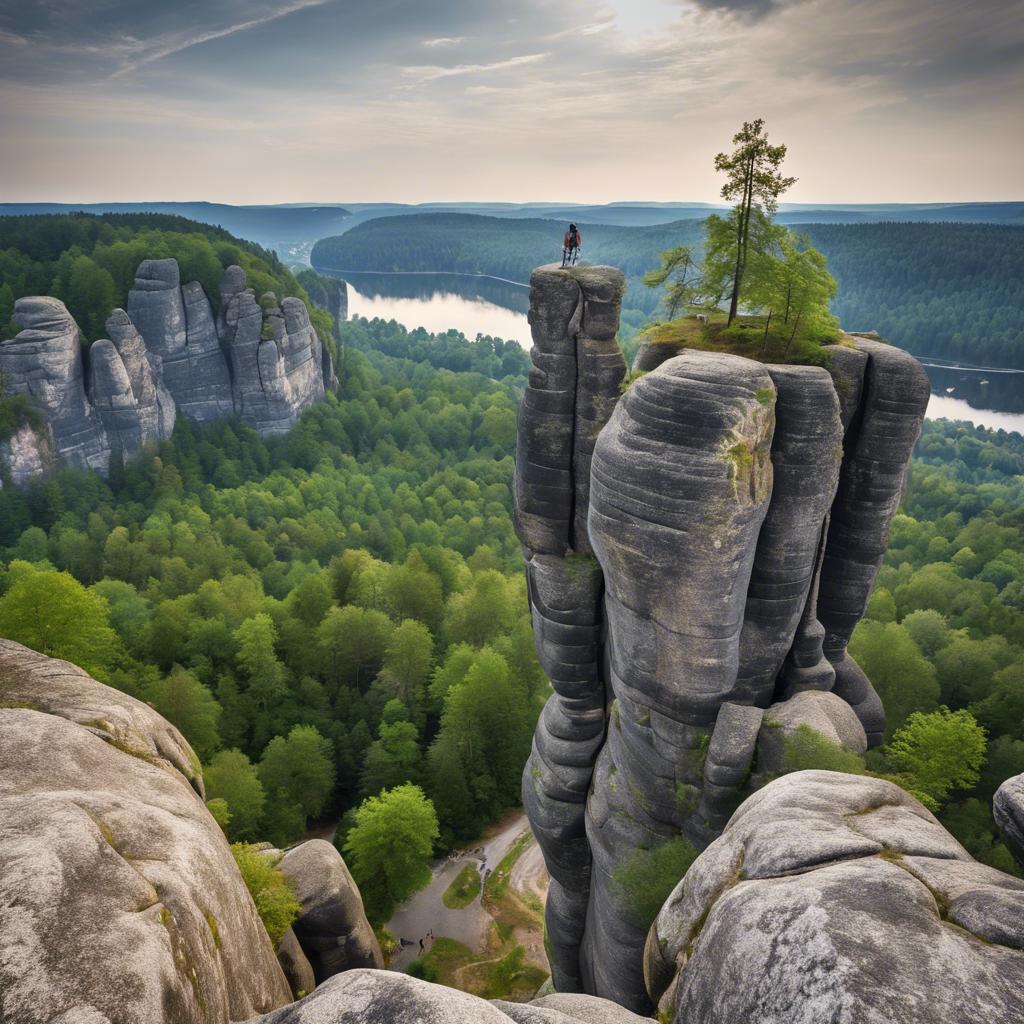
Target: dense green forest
(325,614)
(945,626)
(89,263)
(948,290)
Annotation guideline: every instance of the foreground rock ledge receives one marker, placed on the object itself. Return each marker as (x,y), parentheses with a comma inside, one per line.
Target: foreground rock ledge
(838,898)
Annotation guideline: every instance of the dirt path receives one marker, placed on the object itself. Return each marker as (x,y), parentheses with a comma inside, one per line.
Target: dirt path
(425,911)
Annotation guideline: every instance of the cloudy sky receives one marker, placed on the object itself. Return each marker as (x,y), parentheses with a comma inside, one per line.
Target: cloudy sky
(569,100)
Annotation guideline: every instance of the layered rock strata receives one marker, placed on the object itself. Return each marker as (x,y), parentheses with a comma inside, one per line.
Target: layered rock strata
(572,390)
(45,363)
(119,897)
(838,898)
(167,355)
(727,499)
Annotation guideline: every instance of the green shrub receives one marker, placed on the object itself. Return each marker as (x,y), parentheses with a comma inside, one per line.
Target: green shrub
(421,969)
(270,890)
(807,749)
(645,878)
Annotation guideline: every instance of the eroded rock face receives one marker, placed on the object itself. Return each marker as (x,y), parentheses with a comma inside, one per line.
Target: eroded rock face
(572,390)
(119,897)
(45,362)
(332,928)
(838,898)
(165,356)
(726,500)
(178,327)
(376,997)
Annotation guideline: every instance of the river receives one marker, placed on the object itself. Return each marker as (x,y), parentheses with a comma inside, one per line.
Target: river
(477,304)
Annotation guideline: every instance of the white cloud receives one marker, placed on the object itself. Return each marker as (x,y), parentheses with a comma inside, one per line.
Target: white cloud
(429,73)
(443,41)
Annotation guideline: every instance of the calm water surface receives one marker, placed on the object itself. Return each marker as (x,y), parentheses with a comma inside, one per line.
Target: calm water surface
(483,305)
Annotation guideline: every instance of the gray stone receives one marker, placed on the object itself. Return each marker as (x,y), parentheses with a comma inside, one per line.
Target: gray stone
(113,398)
(296,966)
(650,355)
(838,898)
(878,446)
(1008,810)
(156,408)
(331,928)
(119,897)
(828,715)
(44,361)
(177,326)
(385,997)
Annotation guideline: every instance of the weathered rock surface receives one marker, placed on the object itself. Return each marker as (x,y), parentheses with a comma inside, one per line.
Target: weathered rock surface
(1008,810)
(44,361)
(383,997)
(726,500)
(165,357)
(332,928)
(838,898)
(119,897)
(177,325)
(573,387)
(296,966)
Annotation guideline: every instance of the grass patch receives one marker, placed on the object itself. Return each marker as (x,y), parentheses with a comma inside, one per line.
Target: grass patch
(509,977)
(646,877)
(806,748)
(744,337)
(464,889)
(271,891)
(444,958)
(497,882)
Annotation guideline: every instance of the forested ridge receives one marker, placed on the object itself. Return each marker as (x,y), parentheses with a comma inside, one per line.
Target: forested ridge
(88,261)
(944,289)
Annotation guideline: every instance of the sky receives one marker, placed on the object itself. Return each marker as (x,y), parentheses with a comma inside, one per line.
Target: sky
(267,101)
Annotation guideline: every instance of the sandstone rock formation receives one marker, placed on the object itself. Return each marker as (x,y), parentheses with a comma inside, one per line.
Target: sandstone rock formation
(376,997)
(1008,810)
(119,897)
(332,928)
(572,390)
(838,898)
(45,362)
(166,356)
(725,503)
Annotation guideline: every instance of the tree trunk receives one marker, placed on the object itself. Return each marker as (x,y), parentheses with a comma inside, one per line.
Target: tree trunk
(796,324)
(767,324)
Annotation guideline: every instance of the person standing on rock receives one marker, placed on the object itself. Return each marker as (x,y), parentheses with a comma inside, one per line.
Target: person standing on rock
(571,243)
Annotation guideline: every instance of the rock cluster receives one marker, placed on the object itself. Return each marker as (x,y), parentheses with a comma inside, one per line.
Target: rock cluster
(838,898)
(698,553)
(166,355)
(119,897)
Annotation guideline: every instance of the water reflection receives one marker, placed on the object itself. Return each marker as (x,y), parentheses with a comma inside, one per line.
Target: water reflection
(487,305)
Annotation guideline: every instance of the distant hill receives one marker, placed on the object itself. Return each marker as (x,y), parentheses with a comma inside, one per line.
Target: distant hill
(273,227)
(954,290)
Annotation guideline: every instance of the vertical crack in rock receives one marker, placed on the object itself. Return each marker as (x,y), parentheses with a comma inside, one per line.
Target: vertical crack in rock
(572,389)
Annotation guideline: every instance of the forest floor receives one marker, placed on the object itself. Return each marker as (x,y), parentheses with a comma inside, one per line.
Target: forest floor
(494,945)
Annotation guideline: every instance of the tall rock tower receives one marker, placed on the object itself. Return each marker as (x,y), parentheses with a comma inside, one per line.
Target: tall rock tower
(698,553)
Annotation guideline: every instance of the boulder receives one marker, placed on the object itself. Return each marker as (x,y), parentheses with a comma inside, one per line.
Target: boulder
(44,361)
(119,897)
(1008,810)
(381,997)
(838,898)
(296,966)
(331,928)
(825,713)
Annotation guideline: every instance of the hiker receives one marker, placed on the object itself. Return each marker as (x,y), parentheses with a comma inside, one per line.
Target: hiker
(571,246)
